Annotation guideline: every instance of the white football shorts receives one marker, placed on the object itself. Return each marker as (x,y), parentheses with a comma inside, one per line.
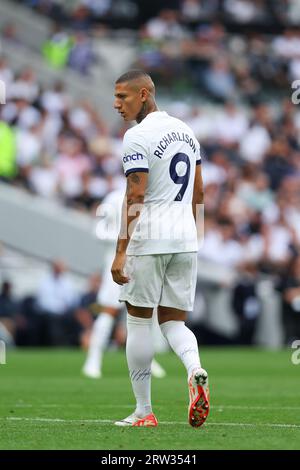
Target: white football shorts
(108,295)
(168,280)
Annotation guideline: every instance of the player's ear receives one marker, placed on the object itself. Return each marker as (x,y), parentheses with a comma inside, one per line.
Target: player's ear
(144,93)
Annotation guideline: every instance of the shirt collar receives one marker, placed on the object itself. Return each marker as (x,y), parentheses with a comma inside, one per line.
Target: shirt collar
(155,114)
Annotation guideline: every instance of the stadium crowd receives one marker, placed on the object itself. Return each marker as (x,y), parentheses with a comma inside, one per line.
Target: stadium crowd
(249,134)
(242,12)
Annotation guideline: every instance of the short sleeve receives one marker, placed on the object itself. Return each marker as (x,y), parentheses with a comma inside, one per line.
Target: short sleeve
(135,154)
(198,154)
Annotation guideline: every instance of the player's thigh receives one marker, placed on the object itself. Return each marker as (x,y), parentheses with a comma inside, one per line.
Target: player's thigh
(179,283)
(168,313)
(141,312)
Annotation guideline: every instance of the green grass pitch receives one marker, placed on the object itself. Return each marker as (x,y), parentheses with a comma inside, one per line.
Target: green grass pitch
(45,402)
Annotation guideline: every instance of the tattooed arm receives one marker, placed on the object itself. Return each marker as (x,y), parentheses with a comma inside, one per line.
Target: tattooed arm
(134,198)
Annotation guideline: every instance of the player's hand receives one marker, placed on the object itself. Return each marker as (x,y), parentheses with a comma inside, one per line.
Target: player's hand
(117,269)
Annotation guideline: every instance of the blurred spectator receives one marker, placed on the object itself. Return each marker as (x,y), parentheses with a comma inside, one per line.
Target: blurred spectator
(246,303)
(81,56)
(195,10)
(25,86)
(200,123)
(98,8)
(56,295)
(86,122)
(71,165)
(191,10)
(7,152)
(256,142)
(258,196)
(55,100)
(8,313)
(245,11)
(28,150)
(88,300)
(293,12)
(278,164)
(218,80)
(290,292)
(231,124)
(56,49)
(220,245)
(43,179)
(278,243)
(81,19)
(165,26)
(55,300)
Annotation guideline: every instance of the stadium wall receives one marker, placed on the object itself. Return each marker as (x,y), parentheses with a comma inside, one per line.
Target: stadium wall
(46,230)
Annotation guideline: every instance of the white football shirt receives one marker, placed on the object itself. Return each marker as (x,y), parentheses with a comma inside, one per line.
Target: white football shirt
(168,150)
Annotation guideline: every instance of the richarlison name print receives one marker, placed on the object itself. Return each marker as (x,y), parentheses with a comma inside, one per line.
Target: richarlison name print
(173,137)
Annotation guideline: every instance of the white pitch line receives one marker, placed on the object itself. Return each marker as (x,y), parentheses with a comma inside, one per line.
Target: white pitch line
(57,420)
(98,405)
(172,423)
(62,405)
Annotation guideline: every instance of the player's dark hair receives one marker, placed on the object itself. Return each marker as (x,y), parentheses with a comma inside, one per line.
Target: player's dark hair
(132,75)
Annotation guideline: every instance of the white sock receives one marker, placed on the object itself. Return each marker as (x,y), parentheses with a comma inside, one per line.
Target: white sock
(183,342)
(100,335)
(140,352)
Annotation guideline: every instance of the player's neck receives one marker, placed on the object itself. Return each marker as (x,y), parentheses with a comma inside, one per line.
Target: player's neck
(146,109)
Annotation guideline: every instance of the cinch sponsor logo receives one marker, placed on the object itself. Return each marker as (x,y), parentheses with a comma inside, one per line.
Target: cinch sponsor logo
(133,157)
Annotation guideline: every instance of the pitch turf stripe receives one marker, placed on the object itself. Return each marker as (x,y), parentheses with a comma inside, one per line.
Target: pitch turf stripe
(172,423)
(245,407)
(269,425)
